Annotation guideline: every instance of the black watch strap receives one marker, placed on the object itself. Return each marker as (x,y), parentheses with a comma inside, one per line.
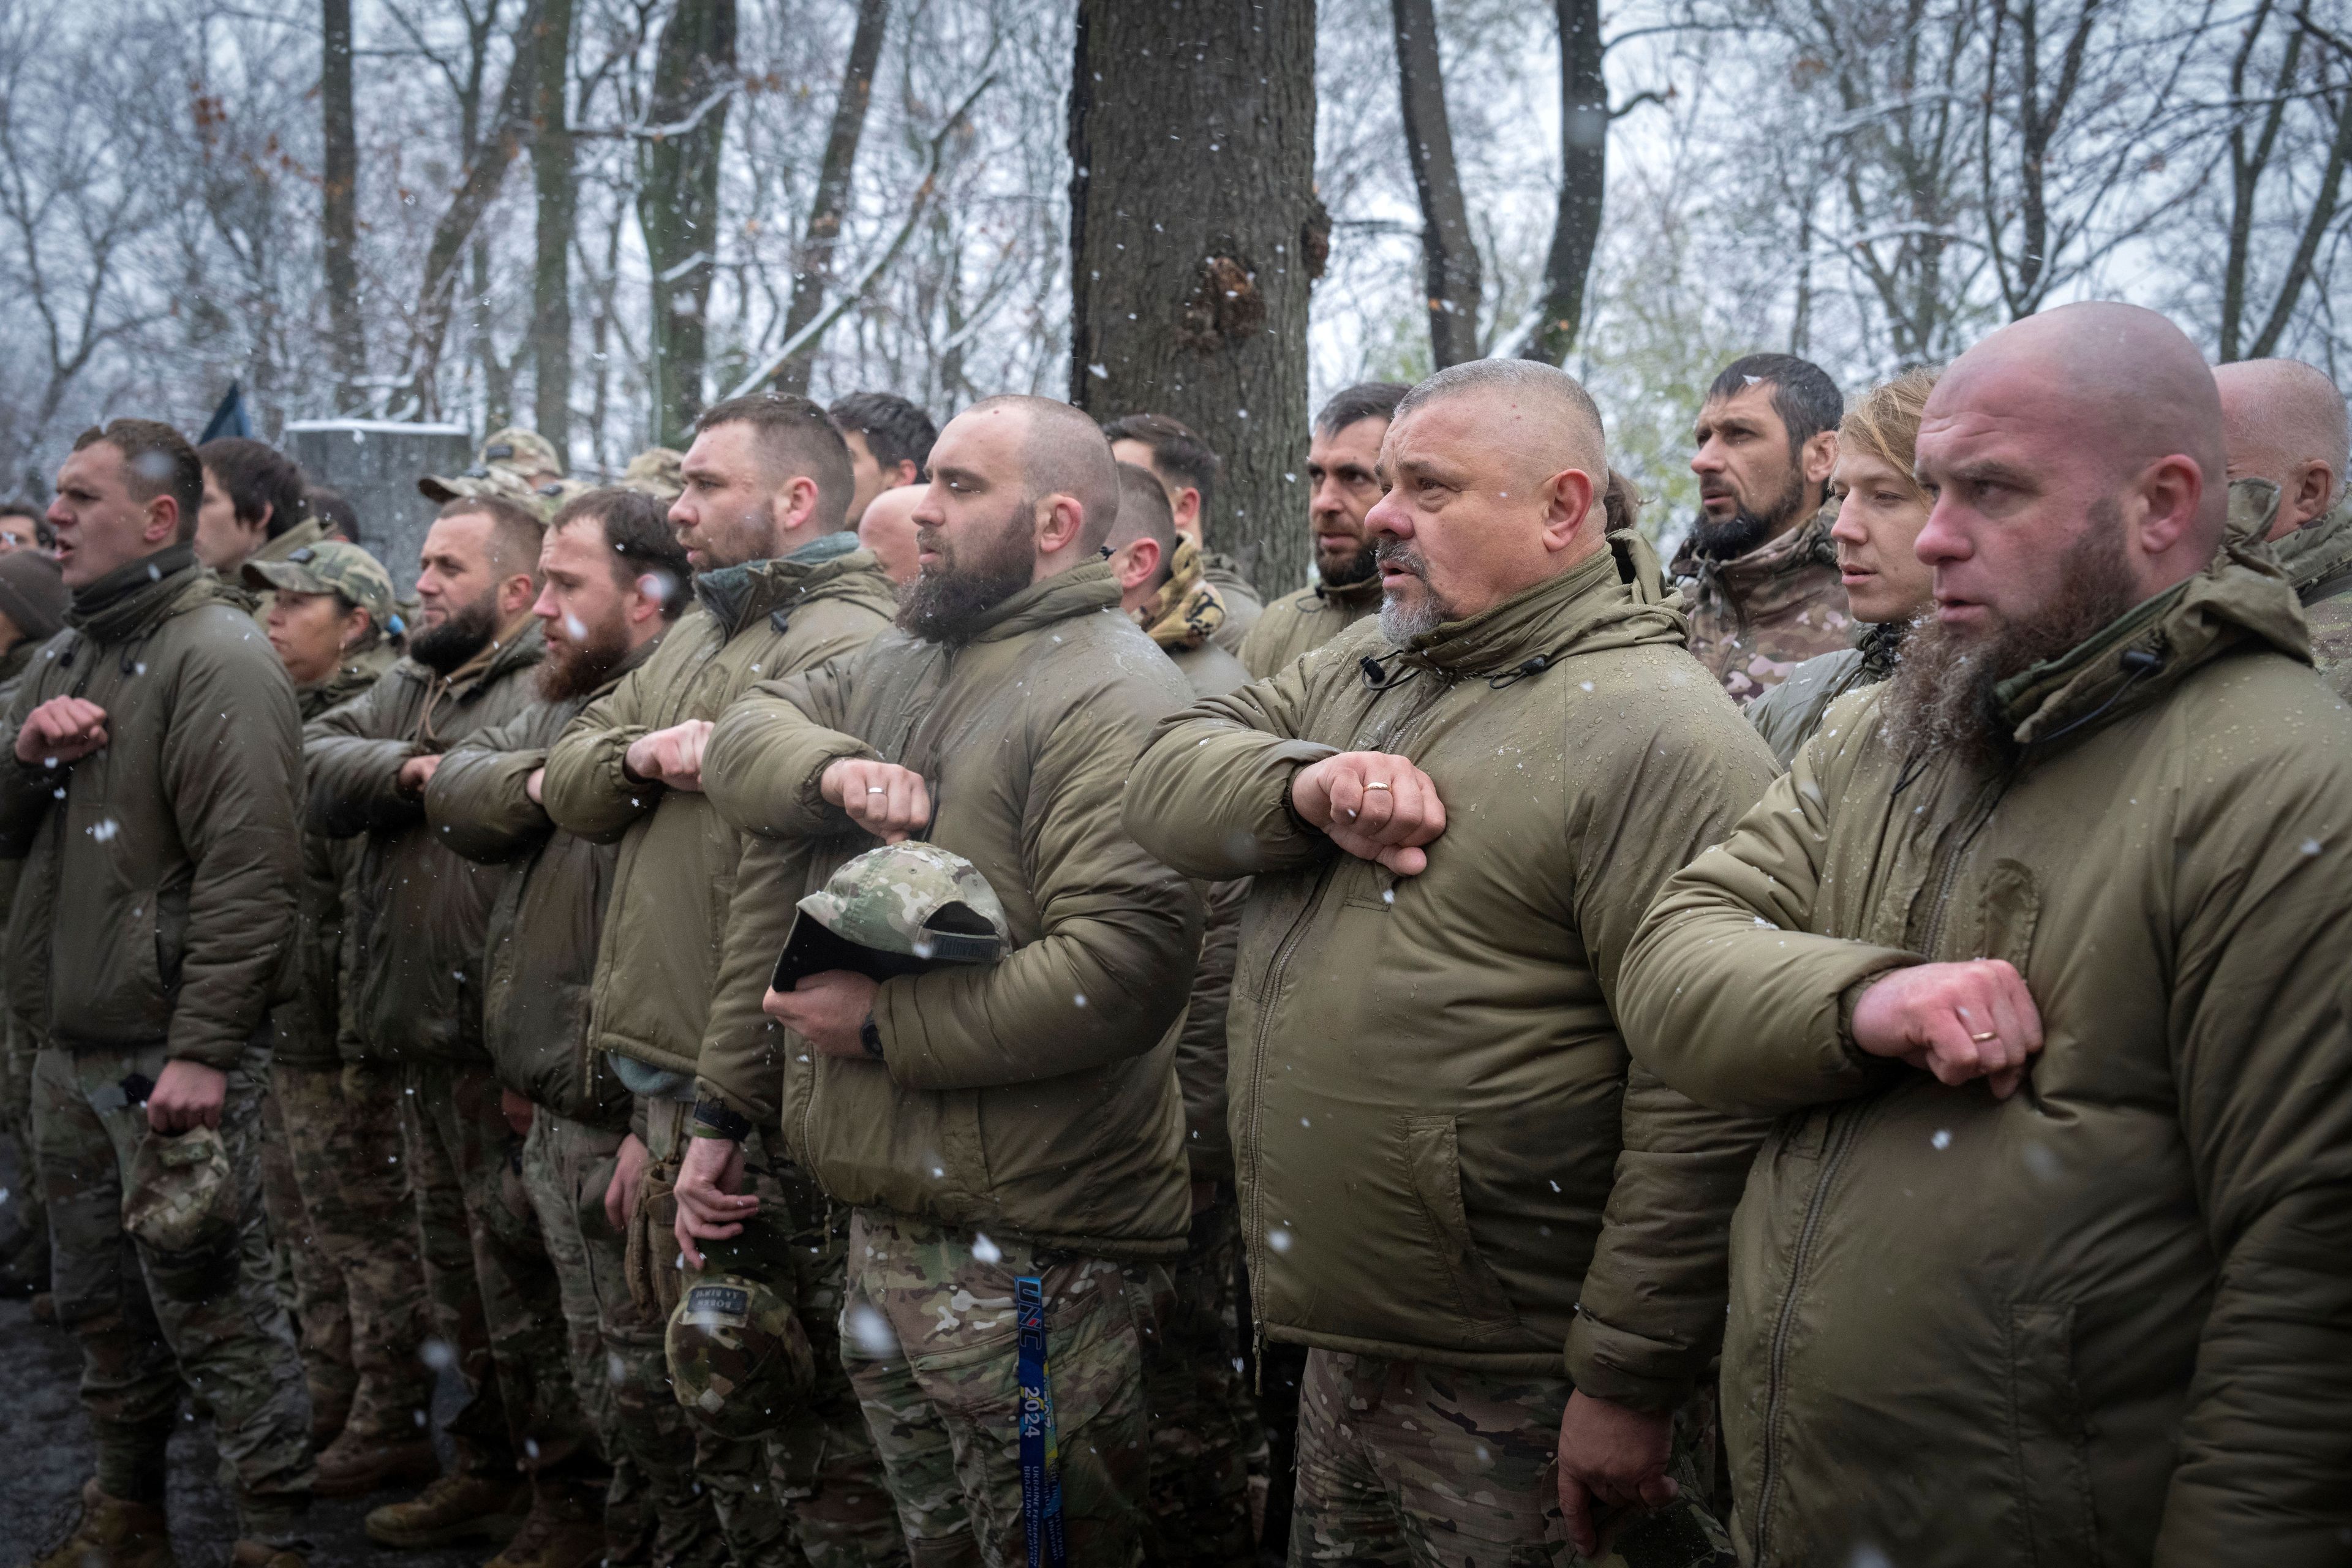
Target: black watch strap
(722,1118)
(870,1038)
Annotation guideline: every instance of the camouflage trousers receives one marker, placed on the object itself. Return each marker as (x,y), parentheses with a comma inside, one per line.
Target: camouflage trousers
(153,1324)
(1201,1437)
(933,1350)
(310,1285)
(347,1159)
(655,1510)
(1412,1463)
(494,1292)
(23,1217)
(812,1491)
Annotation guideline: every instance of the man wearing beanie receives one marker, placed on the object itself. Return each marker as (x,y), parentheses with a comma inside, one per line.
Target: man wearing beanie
(32,607)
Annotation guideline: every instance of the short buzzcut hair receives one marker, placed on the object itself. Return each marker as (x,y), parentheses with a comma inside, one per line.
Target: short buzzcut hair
(1575,417)
(258,477)
(894,430)
(1064,453)
(1176,451)
(1365,399)
(637,532)
(798,438)
(516,533)
(1144,513)
(160,463)
(1804,396)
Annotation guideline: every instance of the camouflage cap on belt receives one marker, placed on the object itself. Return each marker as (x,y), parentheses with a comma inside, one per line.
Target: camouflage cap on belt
(183,1194)
(738,1358)
(331,567)
(657,471)
(910,901)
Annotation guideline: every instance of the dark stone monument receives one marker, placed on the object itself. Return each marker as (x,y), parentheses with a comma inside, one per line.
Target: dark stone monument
(377,463)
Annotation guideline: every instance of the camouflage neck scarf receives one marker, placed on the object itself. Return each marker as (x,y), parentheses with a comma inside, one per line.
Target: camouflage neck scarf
(1188,609)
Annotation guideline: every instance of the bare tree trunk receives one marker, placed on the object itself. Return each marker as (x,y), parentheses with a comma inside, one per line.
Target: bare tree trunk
(1449,256)
(339,202)
(485,170)
(1583,182)
(552,175)
(1194,236)
(677,203)
(812,270)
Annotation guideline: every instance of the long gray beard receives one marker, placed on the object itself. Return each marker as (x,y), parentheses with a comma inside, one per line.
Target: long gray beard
(1401,623)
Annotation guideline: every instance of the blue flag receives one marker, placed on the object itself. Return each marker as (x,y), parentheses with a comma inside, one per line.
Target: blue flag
(228,419)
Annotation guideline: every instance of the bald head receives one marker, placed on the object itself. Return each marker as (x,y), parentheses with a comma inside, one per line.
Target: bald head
(2284,421)
(1539,418)
(1062,452)
(2124,384)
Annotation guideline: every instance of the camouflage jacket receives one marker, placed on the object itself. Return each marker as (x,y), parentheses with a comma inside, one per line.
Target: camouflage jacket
(2317,559)
(1188,621)
(1756,618)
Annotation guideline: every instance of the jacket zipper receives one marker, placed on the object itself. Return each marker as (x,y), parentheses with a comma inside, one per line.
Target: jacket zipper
(1832,1156)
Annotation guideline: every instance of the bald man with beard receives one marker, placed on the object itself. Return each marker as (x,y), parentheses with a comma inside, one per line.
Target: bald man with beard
(982,1123)
(2037,956)
(2284,421)
(1504,1248)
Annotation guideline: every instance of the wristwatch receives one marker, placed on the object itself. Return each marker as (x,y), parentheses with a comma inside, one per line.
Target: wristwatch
(722,1118)
(870,1038)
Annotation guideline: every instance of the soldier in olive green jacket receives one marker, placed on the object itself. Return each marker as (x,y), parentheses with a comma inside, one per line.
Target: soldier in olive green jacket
(2284,425)
(778,588)
(1451,1185)
(420,914)
(983,1124)
(2076,1292)
(152,785)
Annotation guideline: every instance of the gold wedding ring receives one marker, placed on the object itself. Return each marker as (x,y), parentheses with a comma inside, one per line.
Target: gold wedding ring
(878,789)
(1987,1035)
(1376,785)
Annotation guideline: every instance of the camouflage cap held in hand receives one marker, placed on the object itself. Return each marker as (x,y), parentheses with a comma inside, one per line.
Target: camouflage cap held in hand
(657,471)
(183,1194)
(898,910)
(738,1360)
(330,566)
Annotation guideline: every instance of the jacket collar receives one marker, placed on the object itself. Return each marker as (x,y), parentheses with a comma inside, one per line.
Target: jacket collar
(1188,609)
(1081,591)
(737,595)
(1601,603)
(2241,599)
(500,658)
(309,531)
(1349,596)
(130,600)
(2319,552)
(356,675)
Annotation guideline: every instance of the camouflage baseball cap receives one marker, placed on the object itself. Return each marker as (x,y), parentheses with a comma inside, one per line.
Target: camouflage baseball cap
(183,1194)
(739,1359)
(505,484)
(331,567)
(898,910)
(657,471)
(526,454)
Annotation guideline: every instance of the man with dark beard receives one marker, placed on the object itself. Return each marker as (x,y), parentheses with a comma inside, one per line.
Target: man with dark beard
(614,577)
(2038,955)
(1757,569)
(1341,488)
(983,1124)
(416,922)
(780,587)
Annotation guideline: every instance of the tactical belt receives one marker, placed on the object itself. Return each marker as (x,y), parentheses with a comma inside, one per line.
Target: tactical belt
(1041,1464)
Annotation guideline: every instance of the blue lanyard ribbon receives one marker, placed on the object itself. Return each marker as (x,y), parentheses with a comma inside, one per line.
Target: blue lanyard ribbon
(1041,1462)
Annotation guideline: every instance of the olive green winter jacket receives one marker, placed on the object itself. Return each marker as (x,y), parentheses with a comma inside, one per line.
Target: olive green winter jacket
(539,952)
(1033,1097)
(309,1026)
(162,873)
(1440,1153)
(667,918)
(1300,623)
(2108,1319)
(419,910)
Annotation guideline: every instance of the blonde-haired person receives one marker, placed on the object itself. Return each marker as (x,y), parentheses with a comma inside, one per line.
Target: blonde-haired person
(1881,510)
